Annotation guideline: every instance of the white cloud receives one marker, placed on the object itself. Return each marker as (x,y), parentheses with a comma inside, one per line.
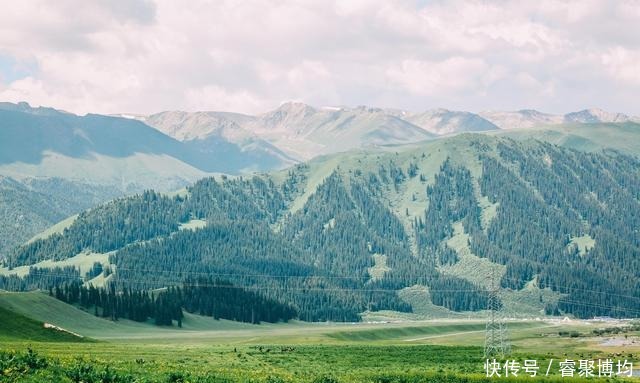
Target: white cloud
(623,64)
(145,56)
(440,77)
(213,97)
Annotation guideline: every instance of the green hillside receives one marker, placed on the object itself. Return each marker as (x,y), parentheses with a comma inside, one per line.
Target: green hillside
(43,308)
(351,233)
(30,205)
(624,137)
(17,327)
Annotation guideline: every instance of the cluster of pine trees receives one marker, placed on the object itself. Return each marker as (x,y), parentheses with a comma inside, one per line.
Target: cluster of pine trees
(162,306)
(222,300)
(39,278)
(209,297)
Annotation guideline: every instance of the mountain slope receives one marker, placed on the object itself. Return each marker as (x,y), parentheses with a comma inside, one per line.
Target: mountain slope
(92,148)
(529,118)
(308,132)
(299,130)
(222,137)
(596,115)
(76,136)
(17,327)
(442,122)
(38,307)
(521,119)
(54,164)
(623,137)
(347,233)
(123,151)
(29,206)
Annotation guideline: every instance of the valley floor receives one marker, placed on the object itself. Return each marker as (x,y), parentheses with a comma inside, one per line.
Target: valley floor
(428,351)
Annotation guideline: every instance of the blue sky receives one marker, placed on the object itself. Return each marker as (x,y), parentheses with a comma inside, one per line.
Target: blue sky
(11,70)
(145,56)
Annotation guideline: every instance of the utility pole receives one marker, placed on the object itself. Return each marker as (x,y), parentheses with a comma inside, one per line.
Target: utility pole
(496,339)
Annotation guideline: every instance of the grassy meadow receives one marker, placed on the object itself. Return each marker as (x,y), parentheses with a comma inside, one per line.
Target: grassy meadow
(206,350)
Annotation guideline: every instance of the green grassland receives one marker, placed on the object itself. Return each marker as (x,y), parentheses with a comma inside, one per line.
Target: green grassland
(44,308)
(16,327)
(206,350)
(373,355)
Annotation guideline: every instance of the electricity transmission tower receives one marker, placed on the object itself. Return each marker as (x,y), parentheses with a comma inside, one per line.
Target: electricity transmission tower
(496,338)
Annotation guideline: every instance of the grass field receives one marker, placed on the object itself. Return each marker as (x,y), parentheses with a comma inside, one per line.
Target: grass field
(370,355)
(16,327)
(206,350)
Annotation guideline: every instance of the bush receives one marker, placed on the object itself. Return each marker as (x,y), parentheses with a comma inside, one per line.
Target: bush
(325,379)
(274,379)
(18,364)
(177,377)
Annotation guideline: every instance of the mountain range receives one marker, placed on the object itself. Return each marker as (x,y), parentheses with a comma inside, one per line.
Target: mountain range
(113,156)
(296,131)
(172,148)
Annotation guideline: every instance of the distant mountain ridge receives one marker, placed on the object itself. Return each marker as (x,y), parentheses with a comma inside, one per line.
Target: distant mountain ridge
(169,150)
(528,118)
(234,143)
(443,121)
(44,142)
(598,115)
(301,131)
(210,131)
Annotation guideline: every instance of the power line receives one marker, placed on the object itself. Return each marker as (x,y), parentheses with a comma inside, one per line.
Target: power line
(345,277)
(179,283)
(312,277)
(502,332)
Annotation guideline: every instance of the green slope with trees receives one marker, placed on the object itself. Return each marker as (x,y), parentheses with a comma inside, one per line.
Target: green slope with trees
(309,237)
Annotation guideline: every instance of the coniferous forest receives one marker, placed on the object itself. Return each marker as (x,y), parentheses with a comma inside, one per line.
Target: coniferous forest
(208,297)
(279,246)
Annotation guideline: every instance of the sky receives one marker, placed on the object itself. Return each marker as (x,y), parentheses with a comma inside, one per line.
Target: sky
(146,56)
